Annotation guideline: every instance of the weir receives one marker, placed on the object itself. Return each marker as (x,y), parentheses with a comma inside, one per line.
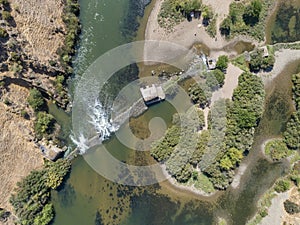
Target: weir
(107,120)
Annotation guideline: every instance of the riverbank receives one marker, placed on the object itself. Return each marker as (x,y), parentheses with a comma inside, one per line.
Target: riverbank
(188,33)
(31,57)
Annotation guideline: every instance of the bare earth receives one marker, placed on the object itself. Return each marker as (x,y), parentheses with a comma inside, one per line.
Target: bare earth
(18,153)
(187,33)
(37,23)
(37,31)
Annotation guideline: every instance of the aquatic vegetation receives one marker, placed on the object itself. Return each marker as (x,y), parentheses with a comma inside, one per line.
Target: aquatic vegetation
(287,23)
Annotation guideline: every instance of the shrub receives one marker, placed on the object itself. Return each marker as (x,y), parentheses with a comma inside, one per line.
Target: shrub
(276,149)
(252,12)
(222,62)
(6,15)
(282,186)
(35,100)
(3,33)
(43,124)
(292,132)
(291,207)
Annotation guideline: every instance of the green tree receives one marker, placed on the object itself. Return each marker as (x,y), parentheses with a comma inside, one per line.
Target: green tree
(292,132)
(43,124)
(56,172)
(225,26)
(252,12)
(36,100)
(222,62)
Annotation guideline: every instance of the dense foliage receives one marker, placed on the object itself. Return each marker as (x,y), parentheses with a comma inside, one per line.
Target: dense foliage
(246,19)
(31,200)
(173,11)
(199,95)
(259,62)
(292,132)
(222,62)
(243,115)
(44,124)
(296,90)
(35,100)
(70,18)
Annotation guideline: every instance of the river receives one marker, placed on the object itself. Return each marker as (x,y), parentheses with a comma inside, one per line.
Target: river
(87,198)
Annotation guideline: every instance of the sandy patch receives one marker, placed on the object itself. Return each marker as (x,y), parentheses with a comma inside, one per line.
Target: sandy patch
(188,33)
(282,58)
(276,210)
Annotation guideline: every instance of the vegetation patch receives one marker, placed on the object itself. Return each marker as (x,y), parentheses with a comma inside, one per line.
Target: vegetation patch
(277,150)
(246,19)
(32,195)
(287,23)
(282,185)
(292,133)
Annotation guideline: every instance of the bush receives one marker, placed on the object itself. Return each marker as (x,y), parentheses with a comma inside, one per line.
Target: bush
(291,207)
(6,15)
(222,62)
(3,33)
(35,100)
(252,12)
(282,186)
(43,124)
(276,149)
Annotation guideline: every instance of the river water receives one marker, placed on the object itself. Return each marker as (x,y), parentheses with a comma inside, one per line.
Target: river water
(87,198)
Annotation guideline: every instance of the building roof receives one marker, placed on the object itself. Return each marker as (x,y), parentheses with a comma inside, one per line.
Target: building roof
(211,63)
(152,92)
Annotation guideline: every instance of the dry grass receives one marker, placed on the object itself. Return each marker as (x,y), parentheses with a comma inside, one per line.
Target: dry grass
(18,153)
(37,21)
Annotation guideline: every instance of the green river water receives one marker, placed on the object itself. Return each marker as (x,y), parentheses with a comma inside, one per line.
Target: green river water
(88,199)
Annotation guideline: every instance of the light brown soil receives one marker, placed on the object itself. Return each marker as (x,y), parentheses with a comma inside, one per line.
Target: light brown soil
(37,21)
(36,32)
(18,153)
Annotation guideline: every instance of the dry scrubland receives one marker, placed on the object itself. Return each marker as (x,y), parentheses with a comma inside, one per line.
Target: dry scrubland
(37,32)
